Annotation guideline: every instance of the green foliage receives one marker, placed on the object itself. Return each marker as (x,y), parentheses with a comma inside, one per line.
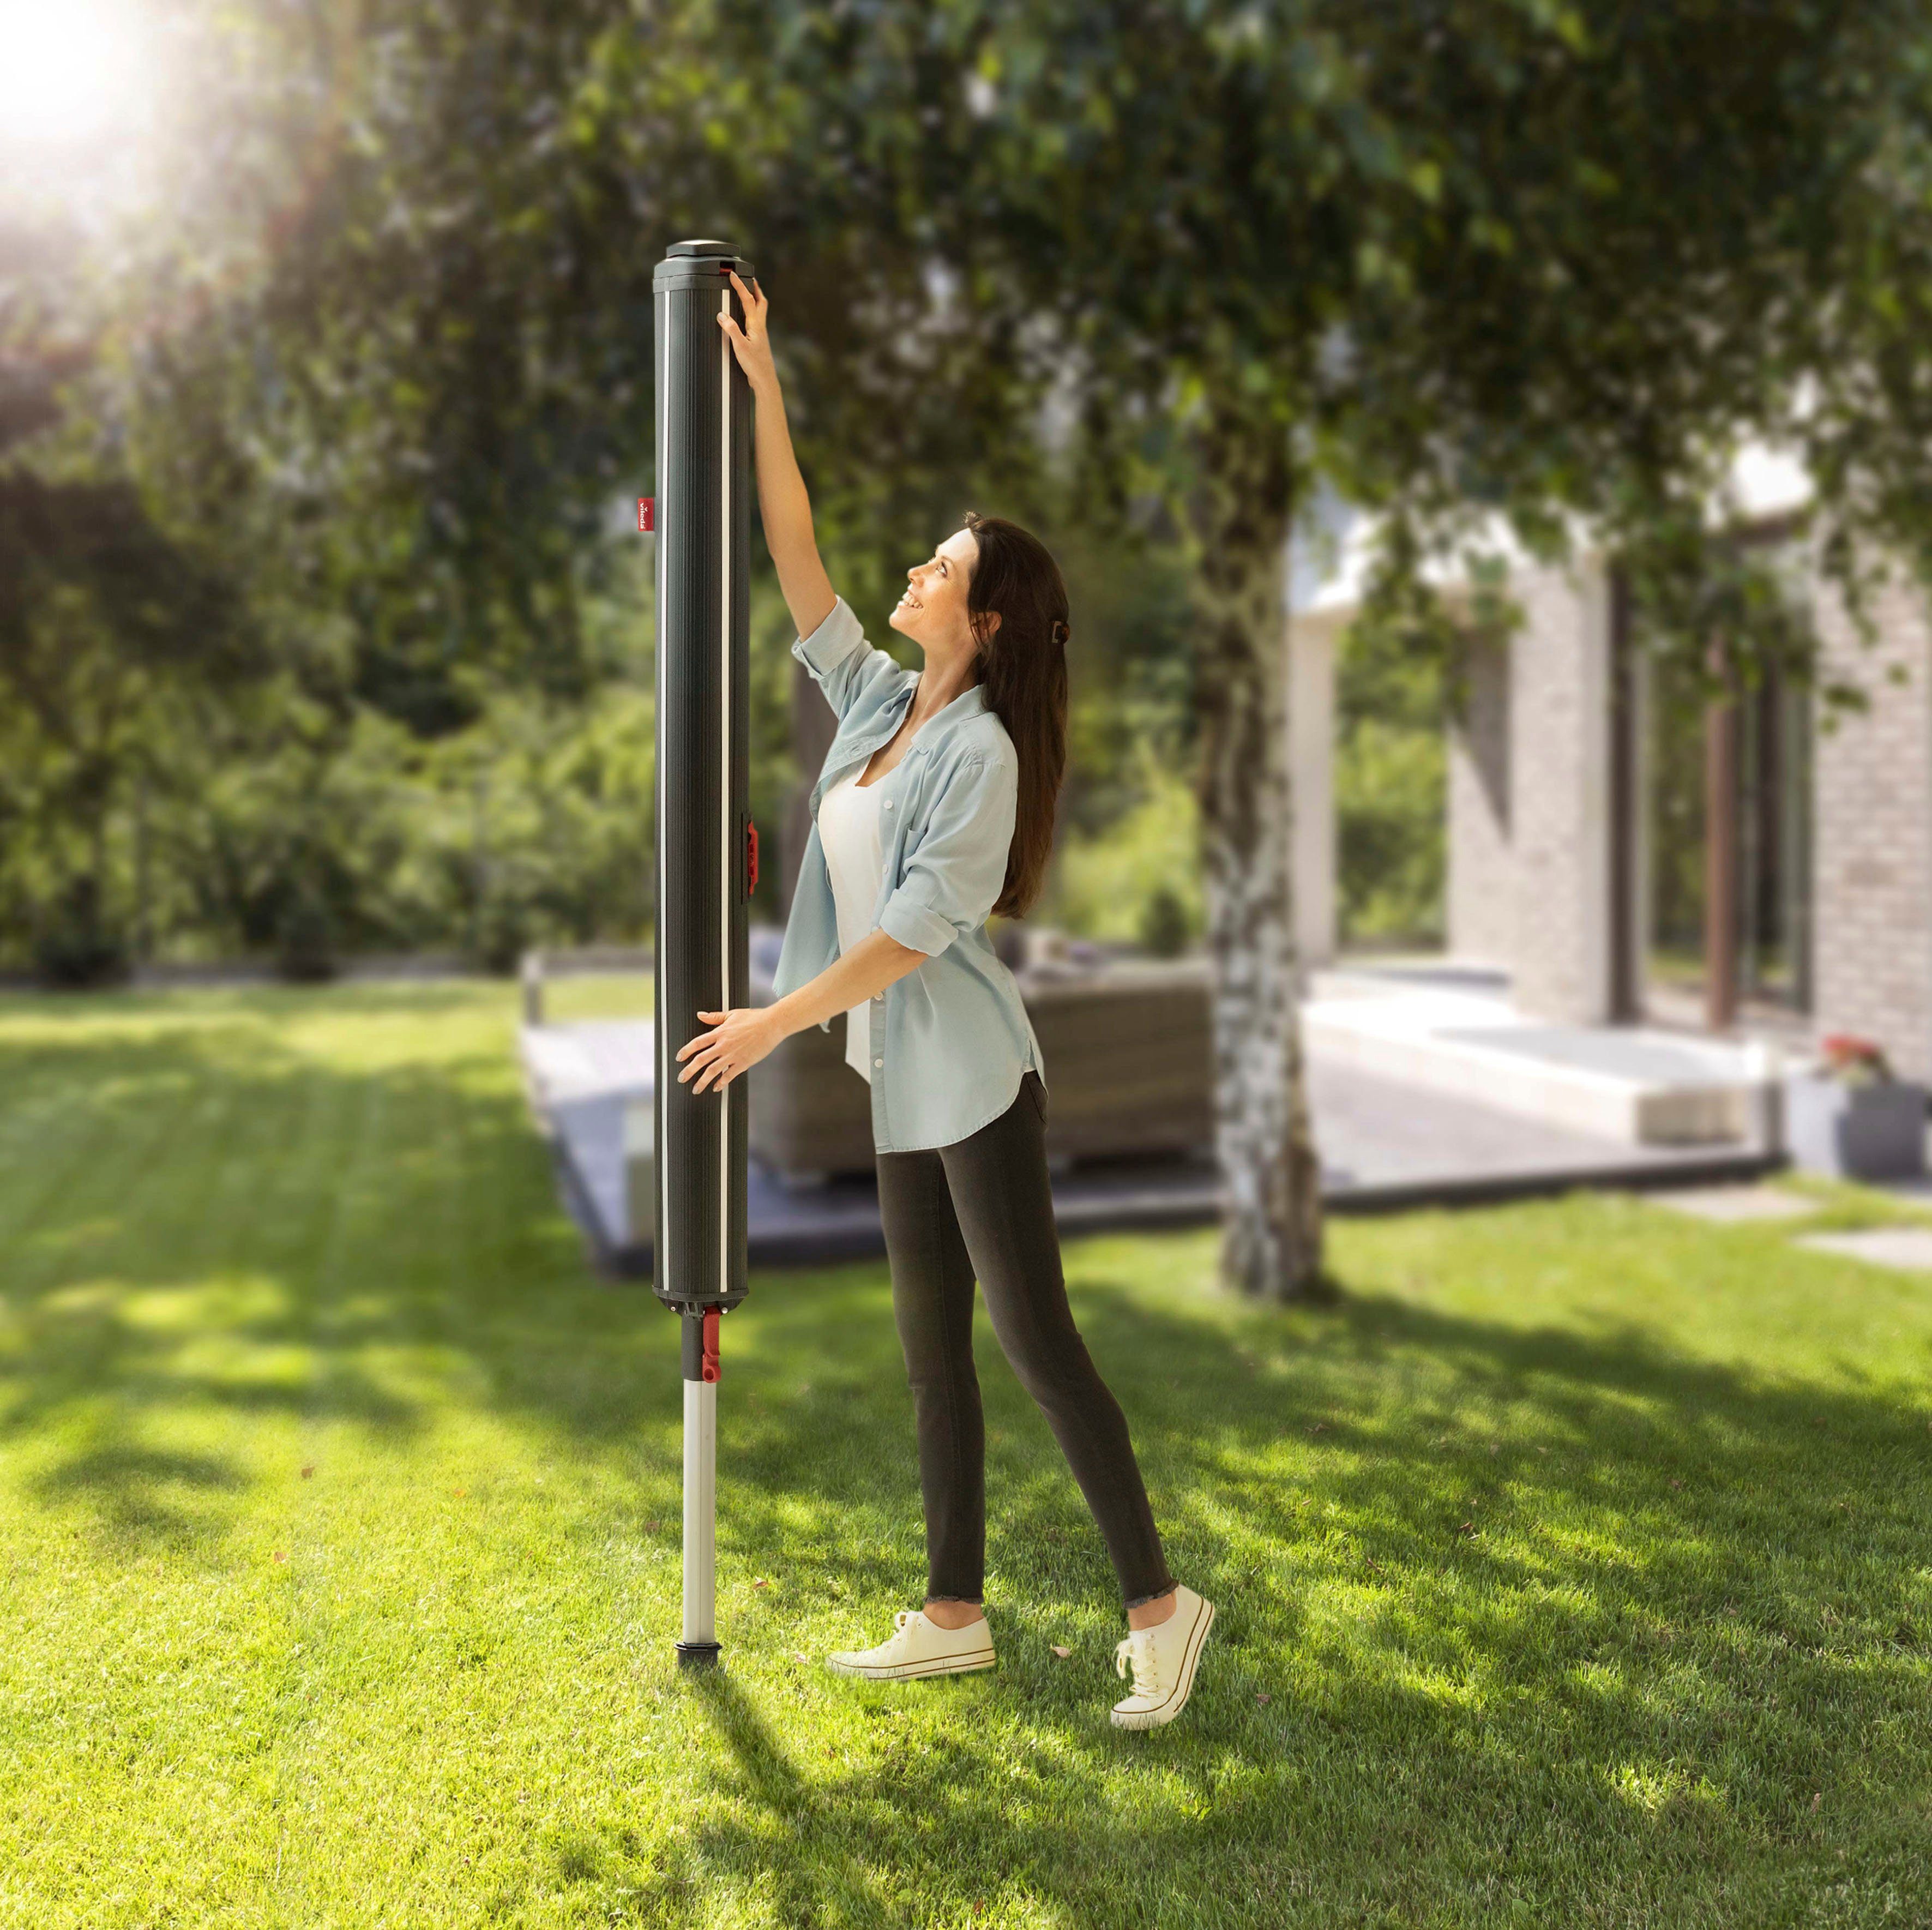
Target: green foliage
(297,830)
(387,362)
(1139,880)
(75,948)
(1127,868)
(1675,803)
(1166,927)
(1401,680)
(107,626)
(1391,859)
(1130,660)
(531,826)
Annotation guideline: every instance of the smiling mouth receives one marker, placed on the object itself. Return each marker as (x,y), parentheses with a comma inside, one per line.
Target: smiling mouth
(912,601)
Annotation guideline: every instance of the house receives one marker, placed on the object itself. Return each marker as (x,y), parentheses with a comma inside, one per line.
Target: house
(1621,855)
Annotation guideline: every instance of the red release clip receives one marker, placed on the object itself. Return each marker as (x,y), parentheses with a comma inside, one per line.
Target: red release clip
(707,1368)
(647,515)
(751,857)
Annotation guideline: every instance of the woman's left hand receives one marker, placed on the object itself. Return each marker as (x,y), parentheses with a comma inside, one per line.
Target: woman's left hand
(739,1039)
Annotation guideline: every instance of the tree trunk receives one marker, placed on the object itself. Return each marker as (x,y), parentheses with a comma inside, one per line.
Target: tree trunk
(1271,1238)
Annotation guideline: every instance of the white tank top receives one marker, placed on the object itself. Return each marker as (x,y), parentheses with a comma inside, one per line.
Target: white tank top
(848,833)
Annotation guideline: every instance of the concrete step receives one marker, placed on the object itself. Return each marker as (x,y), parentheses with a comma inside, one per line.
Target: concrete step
(1632,1084)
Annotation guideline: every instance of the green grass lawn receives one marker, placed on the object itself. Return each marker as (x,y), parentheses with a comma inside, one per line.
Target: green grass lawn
(1575,1569)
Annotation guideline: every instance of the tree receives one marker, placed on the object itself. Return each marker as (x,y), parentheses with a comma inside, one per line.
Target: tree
(105,622)
(1549,260)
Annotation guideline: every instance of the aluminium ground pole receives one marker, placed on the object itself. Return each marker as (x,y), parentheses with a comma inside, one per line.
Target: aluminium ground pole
(698,1647)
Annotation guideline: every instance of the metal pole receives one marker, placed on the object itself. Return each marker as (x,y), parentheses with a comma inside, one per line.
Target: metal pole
(704,853)
(699,1648)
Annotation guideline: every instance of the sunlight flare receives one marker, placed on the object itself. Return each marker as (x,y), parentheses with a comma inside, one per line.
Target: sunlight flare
(71,72)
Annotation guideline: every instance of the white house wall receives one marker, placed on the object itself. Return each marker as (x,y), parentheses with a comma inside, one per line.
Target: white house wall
(1559,810)
(1528,802)
(1311,750)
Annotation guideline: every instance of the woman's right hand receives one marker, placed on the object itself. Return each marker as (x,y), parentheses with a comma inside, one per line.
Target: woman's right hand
(751,344)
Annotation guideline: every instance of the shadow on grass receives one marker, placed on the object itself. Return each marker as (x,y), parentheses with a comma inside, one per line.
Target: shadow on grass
(184,1174)
(1569,1608)
(1536,1617)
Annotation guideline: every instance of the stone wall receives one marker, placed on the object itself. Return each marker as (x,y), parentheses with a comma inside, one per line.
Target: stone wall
(1872,833)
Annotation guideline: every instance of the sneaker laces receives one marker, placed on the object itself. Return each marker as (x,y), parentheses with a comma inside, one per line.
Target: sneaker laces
(1138,1651)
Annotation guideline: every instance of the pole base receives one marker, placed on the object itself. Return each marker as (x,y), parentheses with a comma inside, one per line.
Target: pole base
(698,1654)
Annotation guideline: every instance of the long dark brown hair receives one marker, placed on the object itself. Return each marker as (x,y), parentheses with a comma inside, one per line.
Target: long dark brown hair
(1022,665)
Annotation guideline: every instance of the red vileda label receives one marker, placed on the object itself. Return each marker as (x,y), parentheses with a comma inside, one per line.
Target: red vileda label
(647,515)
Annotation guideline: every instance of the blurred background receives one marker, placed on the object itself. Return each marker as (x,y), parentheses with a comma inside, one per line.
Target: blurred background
(1486,443)
(325,401)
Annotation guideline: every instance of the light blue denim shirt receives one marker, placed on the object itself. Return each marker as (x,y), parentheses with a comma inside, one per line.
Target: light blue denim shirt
(951,1039)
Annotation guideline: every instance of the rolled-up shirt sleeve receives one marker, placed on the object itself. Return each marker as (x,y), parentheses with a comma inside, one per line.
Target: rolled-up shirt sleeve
(843,664)
(954,876)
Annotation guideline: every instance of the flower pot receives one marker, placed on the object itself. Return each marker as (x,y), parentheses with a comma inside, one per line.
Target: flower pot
(1875,1131)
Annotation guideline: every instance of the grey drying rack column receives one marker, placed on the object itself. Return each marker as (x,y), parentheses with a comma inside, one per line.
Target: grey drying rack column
(705,851)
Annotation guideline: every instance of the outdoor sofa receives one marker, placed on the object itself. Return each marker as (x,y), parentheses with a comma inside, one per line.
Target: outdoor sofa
(1125,1040)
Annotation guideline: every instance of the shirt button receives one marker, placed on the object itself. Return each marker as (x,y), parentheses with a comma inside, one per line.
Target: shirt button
(889,804)
(878,1062)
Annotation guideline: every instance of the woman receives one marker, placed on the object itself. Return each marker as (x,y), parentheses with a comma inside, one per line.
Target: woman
(934,808)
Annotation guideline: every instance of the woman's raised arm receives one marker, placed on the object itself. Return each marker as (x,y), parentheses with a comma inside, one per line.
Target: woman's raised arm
(782,502)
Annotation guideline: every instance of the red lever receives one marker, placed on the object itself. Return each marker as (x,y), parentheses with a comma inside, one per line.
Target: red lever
(751,832)
(707,1366)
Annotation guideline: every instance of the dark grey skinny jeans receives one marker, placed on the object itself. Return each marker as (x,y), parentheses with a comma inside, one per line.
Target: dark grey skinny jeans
(982,1206)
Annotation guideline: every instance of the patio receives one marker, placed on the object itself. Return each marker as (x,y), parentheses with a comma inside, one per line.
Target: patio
(1394,1132)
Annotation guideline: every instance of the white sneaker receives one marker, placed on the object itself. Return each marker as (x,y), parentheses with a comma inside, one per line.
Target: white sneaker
(1162,1660)
(918,1647)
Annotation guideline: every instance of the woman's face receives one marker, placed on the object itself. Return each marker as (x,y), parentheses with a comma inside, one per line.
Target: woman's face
(932,612)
